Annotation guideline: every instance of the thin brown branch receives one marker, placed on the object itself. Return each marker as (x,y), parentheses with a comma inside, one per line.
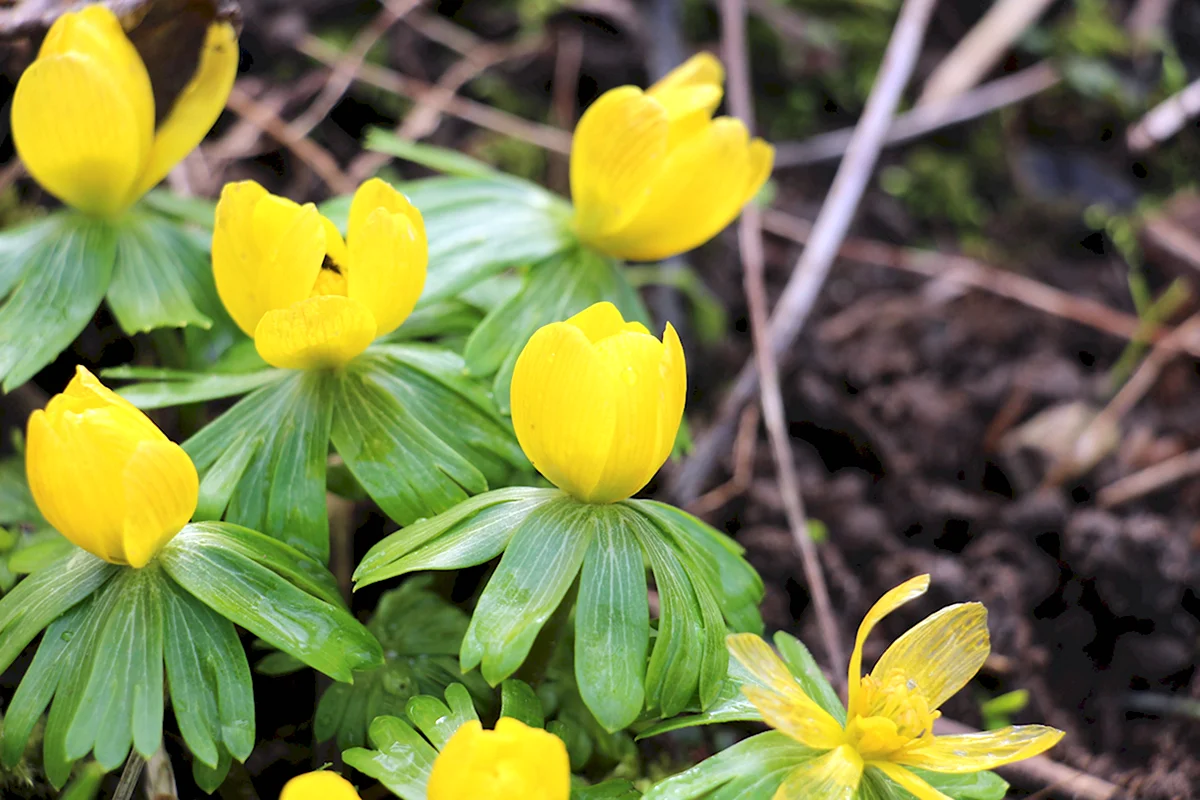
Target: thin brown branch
(342,76)
(744,448)
(925,119)
(1151,479)
(834,220)
(317,158)
(1166,119)
(550,138)
(1042,771)
(741,101)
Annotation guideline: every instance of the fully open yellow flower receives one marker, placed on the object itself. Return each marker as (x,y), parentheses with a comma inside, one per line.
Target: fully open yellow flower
(654,175)
(309,299)
(105,476)
(319,785)
(83,116)
(513,761)
(597,401)
(890,712)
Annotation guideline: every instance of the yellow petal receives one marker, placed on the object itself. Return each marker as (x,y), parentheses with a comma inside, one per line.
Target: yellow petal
(905,592)
(161,491)
(267,252)
(914,784)
(833,776)
(974,752)
(700,190)
(780,699)
(674,370)
(316,333)
(941,653)
(196,108)
(513,761)
(77,133)
(388,254)
(564,408)
(321,785)
(601,320)
(699,70)
(618,151)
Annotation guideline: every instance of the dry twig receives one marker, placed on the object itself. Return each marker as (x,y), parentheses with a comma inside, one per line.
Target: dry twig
(733,26)
(925,119)
(1150,479)
(1166,119)
(830,228)
(745,446)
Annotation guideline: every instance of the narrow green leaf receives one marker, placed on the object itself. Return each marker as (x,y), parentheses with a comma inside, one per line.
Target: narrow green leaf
(322,635)
(221,479)
(199,211)
(41,598)
(16,503)
(150,286)
(609,790)
(86,784)
(18,244)
(539,565)
(439,159)
(971,786)
(401,760)
(439,721)
(175,388)
(67,273)
(381,560)
(405,467)
(809,675)
(210,778)
(612,623)
(519,701)
(738,768)
(38,551)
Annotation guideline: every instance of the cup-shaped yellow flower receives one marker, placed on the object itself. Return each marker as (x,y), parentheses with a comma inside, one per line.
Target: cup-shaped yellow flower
(890,712)
(513,761)
(105,476)
(597,401)
(84,117)
(309,299)
(319,785)
(653,174)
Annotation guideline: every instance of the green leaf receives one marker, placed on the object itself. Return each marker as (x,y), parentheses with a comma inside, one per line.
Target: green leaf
(439,721)
(86,784)
(439,159)
(210,778)
(199,211)
(268,604)
(752,768)
(609,790)
(68,270)
(16,246)
(279,487)
(43,597)
(16,503)
(971,786)
(471,533)
(808,674)
(538,567)
(168,387)
(37,551)
(122,702)
(731,705)
(612,624)
(159,271)
(407,469)
(518,700)
(401,760)
(740,590)
(555,288)
(211,689)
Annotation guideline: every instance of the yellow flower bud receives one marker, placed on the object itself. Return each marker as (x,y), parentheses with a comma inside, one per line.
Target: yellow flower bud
(597,401)
(320,785)
(105,476)
(309,299)
(83,115)
(513,761)
(654,175)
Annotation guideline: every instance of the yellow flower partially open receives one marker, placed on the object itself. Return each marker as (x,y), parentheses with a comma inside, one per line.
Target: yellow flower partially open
(890,712)
(597,401)
(319,785)
(105,476)
(83,115)
(309,299)
(513,761)
(654,175)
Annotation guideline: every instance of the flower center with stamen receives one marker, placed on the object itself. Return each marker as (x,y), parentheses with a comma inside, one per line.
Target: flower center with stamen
(330,280)
(892,714)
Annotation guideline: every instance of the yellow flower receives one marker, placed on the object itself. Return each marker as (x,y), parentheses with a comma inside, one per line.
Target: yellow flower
(320,785)
(309,299)
(597,401)
(890,712)
(105,476)
(513,761)
(83,116)
(654,175)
